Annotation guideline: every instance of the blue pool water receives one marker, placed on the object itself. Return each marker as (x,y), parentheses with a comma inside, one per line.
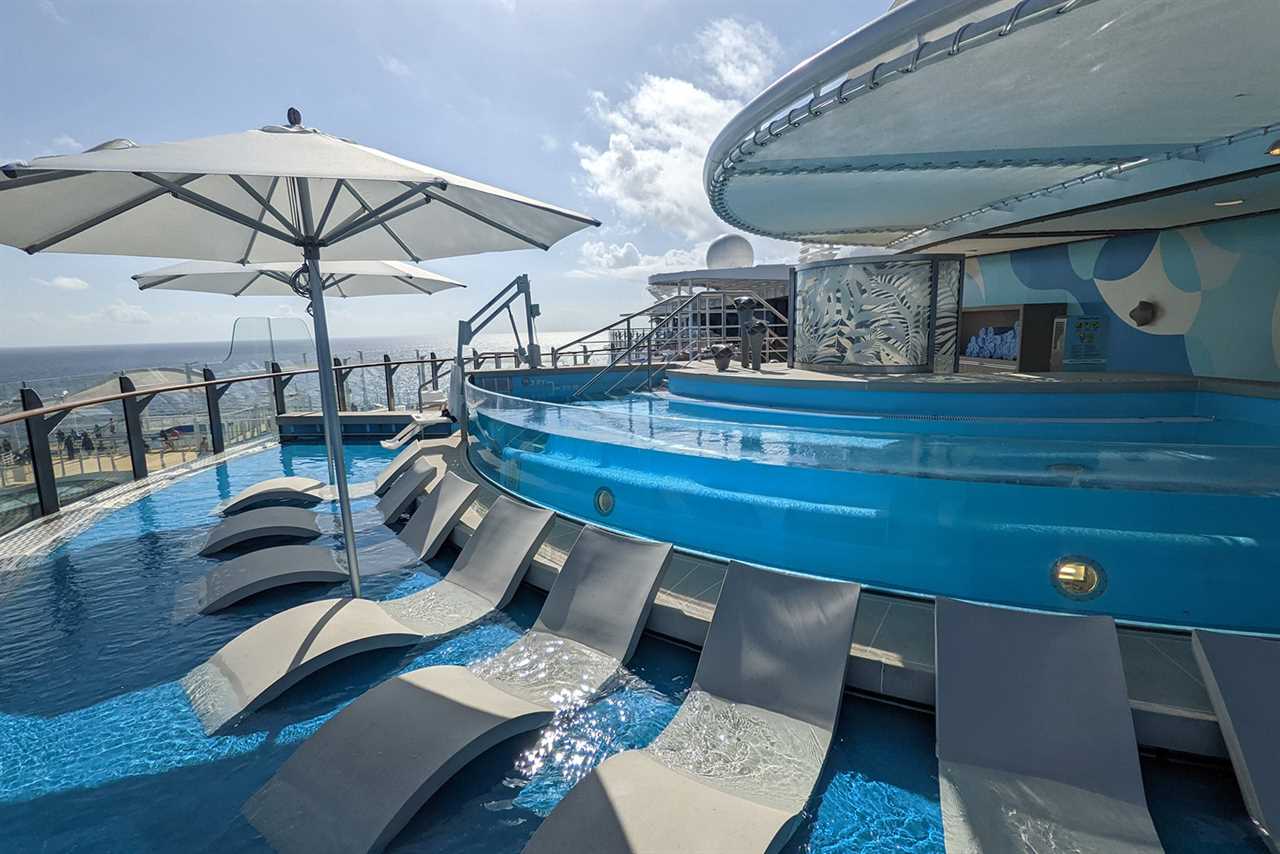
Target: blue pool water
(99,749)
(1174,502)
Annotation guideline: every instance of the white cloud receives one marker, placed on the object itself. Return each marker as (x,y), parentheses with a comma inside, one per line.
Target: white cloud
(123,312)
(651,168)
(598,259)
(739,54)
(51,11)
(394,66)
(67,142)
(65,283)
(548,142)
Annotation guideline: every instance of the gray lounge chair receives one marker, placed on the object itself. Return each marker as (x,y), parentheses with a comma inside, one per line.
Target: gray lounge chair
(355,783)
(295,491)
(768,685)
(1036,750)
(297,523)
(421,537)
(1242,674)
(266,659)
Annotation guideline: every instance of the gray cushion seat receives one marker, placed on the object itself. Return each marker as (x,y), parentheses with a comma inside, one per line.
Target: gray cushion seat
(267,658)
(1036,749)
(768,685)
(1242,674)
(358,780)
(262,525)
(420,539)
(272,523)
(292,491)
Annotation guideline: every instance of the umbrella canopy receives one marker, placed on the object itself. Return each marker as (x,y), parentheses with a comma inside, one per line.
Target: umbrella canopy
(281,193)
(341,278)
(271,191)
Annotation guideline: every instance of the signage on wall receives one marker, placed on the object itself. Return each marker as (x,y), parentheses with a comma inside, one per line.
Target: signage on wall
(1085,348)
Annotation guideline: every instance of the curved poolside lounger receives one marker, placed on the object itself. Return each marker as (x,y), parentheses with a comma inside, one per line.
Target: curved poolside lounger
(267,658)
(398,743)
(265,523)
(406,489)
(422,536)
(308,492)
(266,569)
(268,523)
(1036,749)
(769,682)
(1242,673)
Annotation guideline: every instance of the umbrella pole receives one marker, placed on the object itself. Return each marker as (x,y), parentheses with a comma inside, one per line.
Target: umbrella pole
(329,411)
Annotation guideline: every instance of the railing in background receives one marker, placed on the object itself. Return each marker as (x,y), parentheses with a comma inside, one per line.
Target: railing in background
(50,455)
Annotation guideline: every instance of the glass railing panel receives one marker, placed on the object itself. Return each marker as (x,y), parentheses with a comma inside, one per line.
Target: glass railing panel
(175,429)
(19,502)
(89,451)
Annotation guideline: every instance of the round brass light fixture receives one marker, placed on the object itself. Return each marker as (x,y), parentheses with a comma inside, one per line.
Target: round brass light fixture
(1078,577)
(604,501)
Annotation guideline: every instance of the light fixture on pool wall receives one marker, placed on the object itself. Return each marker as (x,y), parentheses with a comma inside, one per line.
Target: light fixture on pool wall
(1274,148)
(603,501)
(1078,577)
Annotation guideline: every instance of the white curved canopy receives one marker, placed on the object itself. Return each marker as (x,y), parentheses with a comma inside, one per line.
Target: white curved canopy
(259,196)
(944,119)
(341,278)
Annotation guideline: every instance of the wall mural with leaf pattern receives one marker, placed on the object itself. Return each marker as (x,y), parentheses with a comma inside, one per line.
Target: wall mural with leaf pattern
(854,314)
(1215,288)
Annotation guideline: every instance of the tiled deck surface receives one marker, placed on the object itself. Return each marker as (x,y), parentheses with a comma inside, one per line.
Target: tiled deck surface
(893,650)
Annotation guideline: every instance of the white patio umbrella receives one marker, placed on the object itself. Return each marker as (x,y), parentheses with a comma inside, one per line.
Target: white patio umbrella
(341,278)
(281,193)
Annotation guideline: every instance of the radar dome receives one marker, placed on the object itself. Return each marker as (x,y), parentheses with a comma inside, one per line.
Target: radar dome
(730,250)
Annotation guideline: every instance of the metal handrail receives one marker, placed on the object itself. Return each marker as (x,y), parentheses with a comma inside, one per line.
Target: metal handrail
(643,339)
(621,321)
(148,391)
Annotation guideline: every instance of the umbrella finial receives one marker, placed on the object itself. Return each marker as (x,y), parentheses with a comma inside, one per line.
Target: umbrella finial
(294,117)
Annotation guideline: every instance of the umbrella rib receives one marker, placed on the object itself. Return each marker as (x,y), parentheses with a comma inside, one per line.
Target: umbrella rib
(366,223)
(253,235)
(492,223)
(359,198)
(38,177)
(266,203)
(163,280)
(216,208)
(336,281)
(343,231)
(328,207)
(99,218)
(412,284)
(255,278)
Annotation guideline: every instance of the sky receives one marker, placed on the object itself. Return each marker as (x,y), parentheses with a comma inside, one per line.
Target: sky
(601,106)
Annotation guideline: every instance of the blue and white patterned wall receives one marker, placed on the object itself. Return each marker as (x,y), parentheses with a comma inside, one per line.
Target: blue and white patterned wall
(1217,288)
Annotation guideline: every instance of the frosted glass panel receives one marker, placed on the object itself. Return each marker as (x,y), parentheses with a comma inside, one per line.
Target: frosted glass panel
(859,315)
(947,317)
